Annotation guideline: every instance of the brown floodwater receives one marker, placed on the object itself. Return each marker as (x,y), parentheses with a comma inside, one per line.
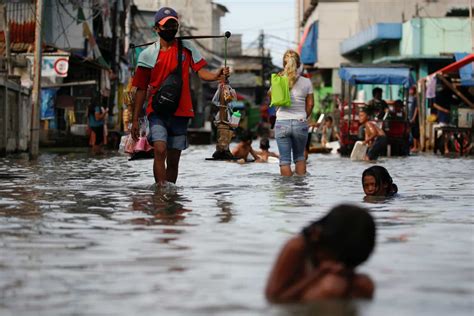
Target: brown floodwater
(81,235)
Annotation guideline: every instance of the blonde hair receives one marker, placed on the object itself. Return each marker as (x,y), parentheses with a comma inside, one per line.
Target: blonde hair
(291,63)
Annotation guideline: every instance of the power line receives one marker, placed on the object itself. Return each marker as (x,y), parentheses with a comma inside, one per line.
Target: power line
(263,25)
(281,39)
(64,29)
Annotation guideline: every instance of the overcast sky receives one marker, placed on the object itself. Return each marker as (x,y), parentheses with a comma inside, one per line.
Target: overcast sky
(274,17)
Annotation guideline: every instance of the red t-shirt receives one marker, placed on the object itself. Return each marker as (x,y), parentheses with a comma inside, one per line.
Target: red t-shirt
(166,62)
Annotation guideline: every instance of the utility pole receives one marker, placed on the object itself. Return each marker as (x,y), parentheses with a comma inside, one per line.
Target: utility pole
(4,133)
(115,59)
(35,94)
(261,46)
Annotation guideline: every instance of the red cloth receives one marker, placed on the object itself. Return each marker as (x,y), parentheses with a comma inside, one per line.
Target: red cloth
(166,62)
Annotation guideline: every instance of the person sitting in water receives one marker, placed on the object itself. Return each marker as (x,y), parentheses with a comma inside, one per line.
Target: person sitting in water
(244,148)
(374,136)
(376,181)
(329,133)
(264,152)
(319,263)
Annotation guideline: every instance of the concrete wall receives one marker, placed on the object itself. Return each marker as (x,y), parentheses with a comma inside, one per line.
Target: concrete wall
(59,21)
(429,36)
(375,11)
(15,117)
(337,21)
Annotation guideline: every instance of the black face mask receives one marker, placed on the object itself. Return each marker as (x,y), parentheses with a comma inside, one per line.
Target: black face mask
(168,35)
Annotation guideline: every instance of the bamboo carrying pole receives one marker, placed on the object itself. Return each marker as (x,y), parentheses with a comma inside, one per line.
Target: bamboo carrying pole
(35,94)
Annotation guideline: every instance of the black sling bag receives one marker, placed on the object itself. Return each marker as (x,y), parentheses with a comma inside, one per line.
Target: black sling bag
(166,99)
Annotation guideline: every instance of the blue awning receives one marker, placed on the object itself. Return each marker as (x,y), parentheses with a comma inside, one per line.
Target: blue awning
(309,49)
(466,73)
(374,34)
(377,75)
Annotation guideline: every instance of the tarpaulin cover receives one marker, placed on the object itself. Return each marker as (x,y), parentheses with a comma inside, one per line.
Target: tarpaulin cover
(309,49)
(466,72)
(47,103)
(377,75)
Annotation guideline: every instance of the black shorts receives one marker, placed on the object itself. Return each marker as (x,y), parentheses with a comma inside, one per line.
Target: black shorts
(379,146)
(308,141)
(99,134)
(415,130)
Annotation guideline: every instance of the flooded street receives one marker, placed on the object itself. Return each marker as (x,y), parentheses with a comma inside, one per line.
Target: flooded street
(81,235)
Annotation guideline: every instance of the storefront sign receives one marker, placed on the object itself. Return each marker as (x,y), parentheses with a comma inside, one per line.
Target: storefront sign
(53,66)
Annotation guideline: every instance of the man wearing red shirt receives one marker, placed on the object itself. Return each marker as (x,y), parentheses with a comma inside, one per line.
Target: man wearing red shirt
(168,134)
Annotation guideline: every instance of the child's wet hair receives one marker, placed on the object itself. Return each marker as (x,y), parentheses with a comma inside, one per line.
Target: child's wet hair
(365,110)
(264,144)
(246,136)
(328,119)
(398,103)
(347,233)
(381,177)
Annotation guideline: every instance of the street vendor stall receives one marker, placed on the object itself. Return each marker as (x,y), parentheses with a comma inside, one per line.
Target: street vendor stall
(458,78)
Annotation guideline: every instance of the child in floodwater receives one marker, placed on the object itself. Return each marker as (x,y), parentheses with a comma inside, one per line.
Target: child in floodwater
(374,136)
(244,148)
(320,262)
(264,152)
(329,133)
(376,181)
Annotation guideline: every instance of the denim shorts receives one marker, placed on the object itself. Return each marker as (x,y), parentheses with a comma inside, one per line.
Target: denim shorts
(291,137)
(170,129)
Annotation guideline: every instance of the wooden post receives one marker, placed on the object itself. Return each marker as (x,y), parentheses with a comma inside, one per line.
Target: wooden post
(36,92)
(421,104)
(455,90)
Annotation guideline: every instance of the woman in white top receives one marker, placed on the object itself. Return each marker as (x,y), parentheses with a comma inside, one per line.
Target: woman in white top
(291,127)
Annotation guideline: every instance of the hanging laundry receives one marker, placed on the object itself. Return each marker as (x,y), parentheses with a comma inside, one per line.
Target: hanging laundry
(107,32)
(431,87)
(105,83)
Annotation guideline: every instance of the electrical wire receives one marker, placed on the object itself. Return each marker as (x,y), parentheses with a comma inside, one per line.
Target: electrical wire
(263,25)
(64,29)
(280,38)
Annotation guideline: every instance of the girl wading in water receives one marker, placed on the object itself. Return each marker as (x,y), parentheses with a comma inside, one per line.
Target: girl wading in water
(291,127)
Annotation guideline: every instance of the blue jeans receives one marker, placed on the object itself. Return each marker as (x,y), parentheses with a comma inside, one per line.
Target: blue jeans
(172,130)
(291,136)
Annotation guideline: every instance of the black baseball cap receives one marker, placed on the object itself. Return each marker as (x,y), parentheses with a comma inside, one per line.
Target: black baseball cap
(164,14)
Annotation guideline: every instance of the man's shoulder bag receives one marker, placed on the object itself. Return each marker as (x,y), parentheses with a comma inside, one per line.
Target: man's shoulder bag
(166,100)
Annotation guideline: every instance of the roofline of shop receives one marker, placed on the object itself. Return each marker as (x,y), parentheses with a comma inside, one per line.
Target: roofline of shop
(409,58)
(374,34)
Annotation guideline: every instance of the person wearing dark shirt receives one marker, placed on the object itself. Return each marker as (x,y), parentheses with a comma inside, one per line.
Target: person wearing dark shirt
(442,104)
(377,107)
(413,117)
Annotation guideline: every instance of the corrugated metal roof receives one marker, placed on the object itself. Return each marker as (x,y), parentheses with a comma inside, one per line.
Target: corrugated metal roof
(21,22)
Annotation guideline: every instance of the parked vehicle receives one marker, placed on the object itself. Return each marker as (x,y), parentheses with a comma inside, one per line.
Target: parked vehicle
(397,128)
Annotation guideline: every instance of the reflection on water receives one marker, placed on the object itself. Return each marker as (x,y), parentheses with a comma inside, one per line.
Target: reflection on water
(86,235)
